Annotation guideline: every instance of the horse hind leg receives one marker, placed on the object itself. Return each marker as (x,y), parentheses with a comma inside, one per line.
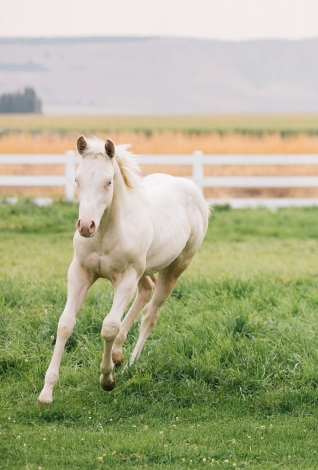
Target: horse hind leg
(145,289)
(166,282)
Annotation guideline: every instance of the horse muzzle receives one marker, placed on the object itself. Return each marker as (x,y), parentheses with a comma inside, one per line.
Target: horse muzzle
(86,228)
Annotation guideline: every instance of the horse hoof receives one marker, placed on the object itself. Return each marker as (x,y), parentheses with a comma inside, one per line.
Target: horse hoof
(43,402)
(118,360)
(45,397)
(108,387)
(118,364)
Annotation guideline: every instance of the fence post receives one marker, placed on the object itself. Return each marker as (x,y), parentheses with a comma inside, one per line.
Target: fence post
(197,169)
(69,175)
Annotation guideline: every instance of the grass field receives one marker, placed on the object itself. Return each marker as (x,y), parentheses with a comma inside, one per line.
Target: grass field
(286,124)
(228,378)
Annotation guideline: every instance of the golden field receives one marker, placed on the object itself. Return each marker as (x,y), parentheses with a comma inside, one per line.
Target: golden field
(165,142)
(167,135)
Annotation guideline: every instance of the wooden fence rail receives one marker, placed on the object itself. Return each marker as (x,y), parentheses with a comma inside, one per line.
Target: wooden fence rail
(197,160)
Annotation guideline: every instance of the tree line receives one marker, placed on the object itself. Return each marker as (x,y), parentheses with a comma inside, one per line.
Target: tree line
(26,102)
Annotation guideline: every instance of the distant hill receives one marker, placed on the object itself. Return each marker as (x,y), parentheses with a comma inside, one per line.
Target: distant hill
(163,75)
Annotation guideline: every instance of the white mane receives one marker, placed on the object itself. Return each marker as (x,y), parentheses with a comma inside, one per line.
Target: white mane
(126,160)
(128,165)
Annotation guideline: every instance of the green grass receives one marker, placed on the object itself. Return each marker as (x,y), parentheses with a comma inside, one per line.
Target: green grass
(257,125)
(228,376)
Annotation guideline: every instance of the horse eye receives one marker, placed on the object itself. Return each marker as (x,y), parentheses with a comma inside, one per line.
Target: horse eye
(109,183)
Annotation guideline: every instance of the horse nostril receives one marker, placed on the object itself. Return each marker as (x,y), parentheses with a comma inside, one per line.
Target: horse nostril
(86,228)
(92,227)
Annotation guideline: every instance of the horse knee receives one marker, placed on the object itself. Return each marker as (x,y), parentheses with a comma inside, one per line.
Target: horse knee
(110,329)
(65,327)
(146,288)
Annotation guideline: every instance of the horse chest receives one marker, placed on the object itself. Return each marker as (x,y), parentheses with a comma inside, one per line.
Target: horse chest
(102,265)
(95,263)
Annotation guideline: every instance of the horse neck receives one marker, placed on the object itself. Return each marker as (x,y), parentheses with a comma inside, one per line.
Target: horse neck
(119,201)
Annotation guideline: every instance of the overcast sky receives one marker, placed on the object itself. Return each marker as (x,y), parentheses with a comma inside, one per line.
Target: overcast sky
(213,19)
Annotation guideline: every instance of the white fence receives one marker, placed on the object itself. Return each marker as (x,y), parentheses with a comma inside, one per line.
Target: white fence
(197,160)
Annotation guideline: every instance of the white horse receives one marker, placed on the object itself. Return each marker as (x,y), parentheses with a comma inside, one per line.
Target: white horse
(129,228)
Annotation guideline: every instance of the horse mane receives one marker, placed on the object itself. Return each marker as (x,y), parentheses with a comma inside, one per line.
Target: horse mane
(127,161)
(128,165)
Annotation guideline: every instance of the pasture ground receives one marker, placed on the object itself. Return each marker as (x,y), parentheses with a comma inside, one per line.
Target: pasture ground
(228,378)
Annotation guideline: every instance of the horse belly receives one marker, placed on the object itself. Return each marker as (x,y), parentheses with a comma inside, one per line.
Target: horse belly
(161,255)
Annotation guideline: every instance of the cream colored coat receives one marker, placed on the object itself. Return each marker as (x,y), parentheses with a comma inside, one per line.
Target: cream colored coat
(129,229)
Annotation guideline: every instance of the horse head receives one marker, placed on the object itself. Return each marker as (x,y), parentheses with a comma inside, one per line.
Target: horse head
(95,180)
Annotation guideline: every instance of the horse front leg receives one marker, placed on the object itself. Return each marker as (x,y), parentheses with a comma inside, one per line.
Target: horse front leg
(79,281)
(124,290)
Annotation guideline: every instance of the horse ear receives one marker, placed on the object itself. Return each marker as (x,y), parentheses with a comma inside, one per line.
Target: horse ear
(110,148)
(81,144)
